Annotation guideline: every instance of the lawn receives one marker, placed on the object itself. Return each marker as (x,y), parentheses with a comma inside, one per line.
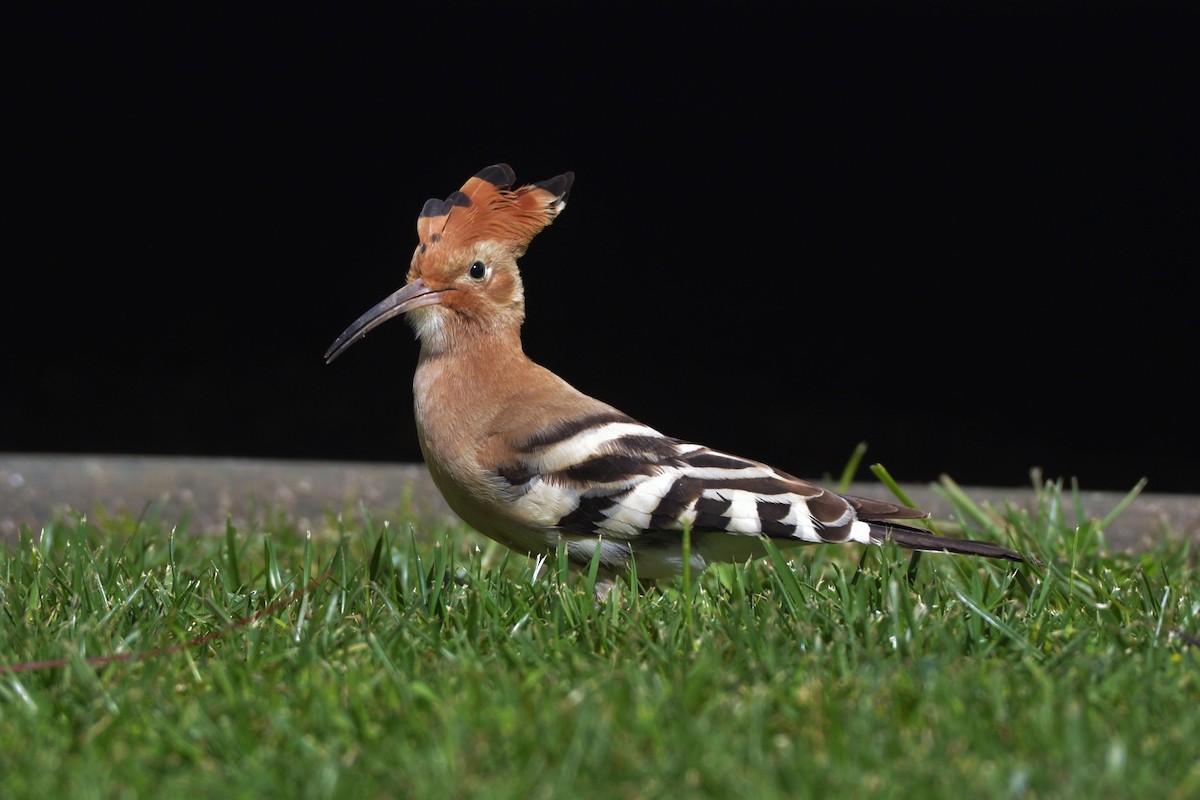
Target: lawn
(396,658)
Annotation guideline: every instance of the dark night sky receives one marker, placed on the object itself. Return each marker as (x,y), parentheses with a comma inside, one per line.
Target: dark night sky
(968,238)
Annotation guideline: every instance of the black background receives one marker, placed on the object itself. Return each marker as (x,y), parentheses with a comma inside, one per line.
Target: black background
(965,237)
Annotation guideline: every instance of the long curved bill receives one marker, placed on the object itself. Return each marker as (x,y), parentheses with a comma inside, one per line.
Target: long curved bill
(413,295)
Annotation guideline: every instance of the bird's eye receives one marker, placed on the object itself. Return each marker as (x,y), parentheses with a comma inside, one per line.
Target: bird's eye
(477,270)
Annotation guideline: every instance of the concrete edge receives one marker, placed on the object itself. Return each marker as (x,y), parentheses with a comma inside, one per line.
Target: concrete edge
(205,493)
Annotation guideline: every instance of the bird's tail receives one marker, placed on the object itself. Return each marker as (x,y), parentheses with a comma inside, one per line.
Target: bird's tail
(917,539)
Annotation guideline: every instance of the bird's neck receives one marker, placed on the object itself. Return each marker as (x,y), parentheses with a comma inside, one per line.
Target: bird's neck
(461,380)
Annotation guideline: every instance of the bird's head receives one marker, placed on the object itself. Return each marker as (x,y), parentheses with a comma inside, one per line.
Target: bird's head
(464,272)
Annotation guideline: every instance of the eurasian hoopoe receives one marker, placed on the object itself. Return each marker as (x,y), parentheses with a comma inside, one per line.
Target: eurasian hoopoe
(528,460)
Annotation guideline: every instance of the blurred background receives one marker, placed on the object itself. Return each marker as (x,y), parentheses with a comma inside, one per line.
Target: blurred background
(966,237)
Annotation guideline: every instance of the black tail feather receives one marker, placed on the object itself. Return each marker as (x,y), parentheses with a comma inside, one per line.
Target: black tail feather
(916,539)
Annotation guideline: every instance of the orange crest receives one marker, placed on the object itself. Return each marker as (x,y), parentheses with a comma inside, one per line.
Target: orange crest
(485,209)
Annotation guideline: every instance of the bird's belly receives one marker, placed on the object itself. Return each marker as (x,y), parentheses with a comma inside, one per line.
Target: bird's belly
(659,556)
(464,501)
(719,547)
(658,560)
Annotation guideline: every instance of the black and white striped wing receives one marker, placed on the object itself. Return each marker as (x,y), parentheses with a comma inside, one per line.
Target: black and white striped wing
(612,476)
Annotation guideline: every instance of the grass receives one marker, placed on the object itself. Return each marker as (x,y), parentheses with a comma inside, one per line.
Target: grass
(388,659)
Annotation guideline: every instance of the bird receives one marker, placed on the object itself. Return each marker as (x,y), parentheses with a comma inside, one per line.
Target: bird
(528,460)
